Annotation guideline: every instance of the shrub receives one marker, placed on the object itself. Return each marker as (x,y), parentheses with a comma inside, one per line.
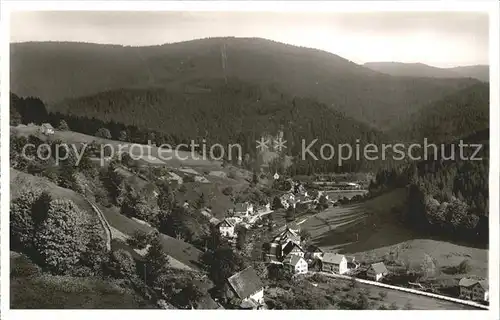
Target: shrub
(103,133)
(139,240)
(227,191)
(22,227)
(27,212)
(464,267)
(63,126)
(24,268)
(60,240)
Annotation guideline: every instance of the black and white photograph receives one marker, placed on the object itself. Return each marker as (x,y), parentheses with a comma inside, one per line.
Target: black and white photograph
(251,160)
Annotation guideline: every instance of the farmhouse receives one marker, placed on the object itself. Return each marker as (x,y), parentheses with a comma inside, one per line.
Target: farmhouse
(333,262)
(287,236)
(226,228)
(473,289)
(247,286)
(47,129)
(296,264)
(377,271)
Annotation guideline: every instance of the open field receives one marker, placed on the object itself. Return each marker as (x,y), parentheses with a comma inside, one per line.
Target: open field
(179,250)
(371,229)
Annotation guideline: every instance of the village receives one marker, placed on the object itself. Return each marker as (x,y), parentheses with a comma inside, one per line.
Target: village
(289,253)
(287,250)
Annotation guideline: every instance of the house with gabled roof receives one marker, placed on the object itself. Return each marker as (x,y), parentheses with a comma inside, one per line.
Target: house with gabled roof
(227,228)
(296,264)
(47,129)
(286,236)
(333,262)
(377,271)
(474,289)
(247,286)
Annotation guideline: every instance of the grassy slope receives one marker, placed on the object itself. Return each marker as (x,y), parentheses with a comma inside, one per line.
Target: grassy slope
(43,291)
(375,221)
(179,250)
(19,181)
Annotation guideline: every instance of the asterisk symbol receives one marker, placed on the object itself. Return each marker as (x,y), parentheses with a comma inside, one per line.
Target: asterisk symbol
(279,144)
(262,144)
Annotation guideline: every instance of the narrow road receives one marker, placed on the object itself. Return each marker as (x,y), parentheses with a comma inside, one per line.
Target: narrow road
(104,223)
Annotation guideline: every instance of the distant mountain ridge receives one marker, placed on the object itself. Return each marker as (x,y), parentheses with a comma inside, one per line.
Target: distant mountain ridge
(460,114)
(56,71)
(479,72)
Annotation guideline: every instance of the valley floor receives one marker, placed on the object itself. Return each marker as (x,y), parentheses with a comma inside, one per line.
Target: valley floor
(370,230)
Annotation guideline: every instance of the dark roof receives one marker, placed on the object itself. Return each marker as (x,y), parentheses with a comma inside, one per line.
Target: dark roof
(333,258)
(227,222)
(468,282)
(245,283)
(289,247)
(379,267)
(287,234)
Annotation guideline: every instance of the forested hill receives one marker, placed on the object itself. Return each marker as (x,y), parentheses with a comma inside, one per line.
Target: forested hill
(455,116)
(235,112)
(480,72)
(55,71)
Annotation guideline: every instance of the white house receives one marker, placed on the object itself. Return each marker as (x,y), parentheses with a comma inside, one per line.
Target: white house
(247,286)
(276,176)
(47,129)
(296,264)
(226,228)
(333,262)
(377,271)
(473,289)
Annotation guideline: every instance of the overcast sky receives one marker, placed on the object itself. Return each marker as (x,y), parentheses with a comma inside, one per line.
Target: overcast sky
(438,39)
